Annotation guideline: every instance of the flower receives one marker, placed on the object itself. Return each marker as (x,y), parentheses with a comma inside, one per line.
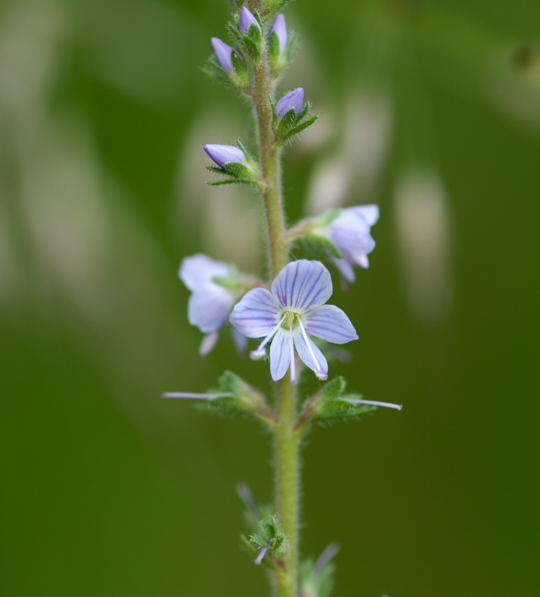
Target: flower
(225,154)
(351,233)
(280,29)
(289,314)
(223,54)
(292,101)
(246,21)
(210,303)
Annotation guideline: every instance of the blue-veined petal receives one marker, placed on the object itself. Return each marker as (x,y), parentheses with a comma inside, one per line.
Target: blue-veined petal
(198,270)
(256,314)
(281,353)
(331,324)
(302,285)
(310,354)
(208,309)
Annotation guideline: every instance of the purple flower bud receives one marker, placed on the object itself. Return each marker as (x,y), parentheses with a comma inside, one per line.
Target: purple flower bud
(292,101)
(223,54)
(246,21)
(280,27)
(225,154)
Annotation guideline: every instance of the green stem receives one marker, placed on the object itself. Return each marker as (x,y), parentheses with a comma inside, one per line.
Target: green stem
(286,441)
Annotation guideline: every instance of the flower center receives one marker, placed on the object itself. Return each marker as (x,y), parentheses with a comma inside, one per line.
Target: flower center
(290,319)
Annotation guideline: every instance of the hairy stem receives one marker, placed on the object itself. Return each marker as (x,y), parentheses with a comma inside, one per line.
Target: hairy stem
(285,439)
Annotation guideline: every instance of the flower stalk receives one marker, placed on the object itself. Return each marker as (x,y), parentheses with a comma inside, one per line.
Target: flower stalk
(286,441)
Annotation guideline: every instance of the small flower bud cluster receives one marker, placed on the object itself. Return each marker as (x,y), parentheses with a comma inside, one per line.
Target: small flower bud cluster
(252,43)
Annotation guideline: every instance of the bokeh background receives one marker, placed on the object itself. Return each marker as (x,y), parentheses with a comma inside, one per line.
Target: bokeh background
(431,110)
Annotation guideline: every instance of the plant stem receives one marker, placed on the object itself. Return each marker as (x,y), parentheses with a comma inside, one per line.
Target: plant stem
(286,441)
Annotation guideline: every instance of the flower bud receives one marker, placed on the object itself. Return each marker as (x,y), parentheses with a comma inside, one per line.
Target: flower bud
(223,54)
(280,29)
(247,20)
(225,154)
(292,101)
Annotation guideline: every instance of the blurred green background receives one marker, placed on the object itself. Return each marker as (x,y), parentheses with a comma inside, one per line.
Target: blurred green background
(431,110)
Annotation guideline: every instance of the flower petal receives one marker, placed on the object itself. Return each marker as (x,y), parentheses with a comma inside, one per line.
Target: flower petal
(240,341)
(255,315)
(208,309)
(311,355)
(303,284)
(280,354)
(370,213)
(331,324)
(345,268)
(198,270)
(351,234)
(208,343)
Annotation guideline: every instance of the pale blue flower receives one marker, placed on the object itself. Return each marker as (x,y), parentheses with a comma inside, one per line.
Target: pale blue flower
(294,100)
(280,29)
(246,21)
(223,53)
(210,303)
(225,154)
(287,316)
(351,233)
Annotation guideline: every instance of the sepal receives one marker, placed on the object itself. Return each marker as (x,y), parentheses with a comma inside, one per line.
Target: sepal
(293,123)
(268,543)
(234,395)
(314,245)
(317,578)
(332,404)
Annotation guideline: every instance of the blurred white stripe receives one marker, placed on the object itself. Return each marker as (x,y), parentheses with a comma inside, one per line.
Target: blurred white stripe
(424,236)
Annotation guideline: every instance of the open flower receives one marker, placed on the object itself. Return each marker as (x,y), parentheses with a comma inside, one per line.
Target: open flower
(351,233)
(290,314)
(210,303)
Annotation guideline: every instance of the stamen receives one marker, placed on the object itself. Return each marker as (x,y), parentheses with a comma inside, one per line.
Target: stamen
(318,371)
(293,363)
(374,403)
(259,352)
(261,555)
(195,396)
